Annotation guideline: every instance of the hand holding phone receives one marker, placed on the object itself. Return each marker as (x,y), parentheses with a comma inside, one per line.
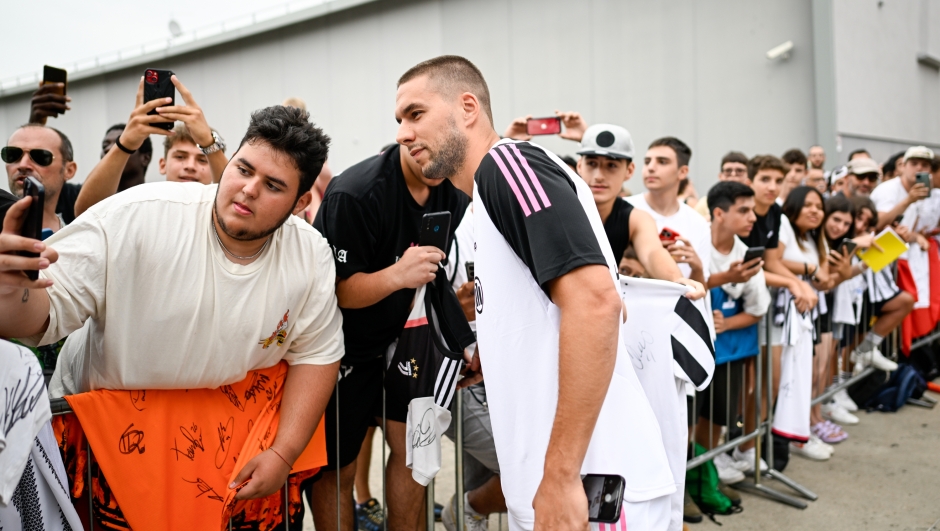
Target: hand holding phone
(605,497)
(924,179)
(848,247)
(543,126)
(158,85)
(470,277)
(32,221)
(50,99)
(435,230)
(668,235)
(752,253)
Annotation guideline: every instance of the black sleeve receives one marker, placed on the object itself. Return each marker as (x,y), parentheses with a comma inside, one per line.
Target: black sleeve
(534,205)
(344,222)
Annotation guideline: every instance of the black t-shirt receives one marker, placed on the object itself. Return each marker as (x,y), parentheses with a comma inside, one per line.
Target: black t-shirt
(534,204)
(66,202)
(369,218)
(766,231)
(617,228)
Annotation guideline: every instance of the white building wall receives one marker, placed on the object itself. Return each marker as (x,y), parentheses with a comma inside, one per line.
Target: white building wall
(886,101)
(687,68)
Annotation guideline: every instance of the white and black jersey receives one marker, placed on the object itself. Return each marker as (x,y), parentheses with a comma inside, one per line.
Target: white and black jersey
(535,221)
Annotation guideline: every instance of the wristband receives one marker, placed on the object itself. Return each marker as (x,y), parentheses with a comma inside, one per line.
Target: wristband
(805,269)
(281,456)
(122,147)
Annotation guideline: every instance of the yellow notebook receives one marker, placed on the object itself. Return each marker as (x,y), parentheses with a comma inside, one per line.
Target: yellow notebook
(893,247)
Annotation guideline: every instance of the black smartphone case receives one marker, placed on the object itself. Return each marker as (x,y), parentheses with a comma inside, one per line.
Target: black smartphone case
(157,84)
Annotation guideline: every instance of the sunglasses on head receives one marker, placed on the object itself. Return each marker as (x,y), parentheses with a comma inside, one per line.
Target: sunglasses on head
(42,157)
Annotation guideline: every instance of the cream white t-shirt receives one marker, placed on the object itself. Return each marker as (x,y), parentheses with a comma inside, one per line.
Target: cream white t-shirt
(149,301)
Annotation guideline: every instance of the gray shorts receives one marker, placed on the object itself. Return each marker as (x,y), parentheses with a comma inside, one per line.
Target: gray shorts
(480,462)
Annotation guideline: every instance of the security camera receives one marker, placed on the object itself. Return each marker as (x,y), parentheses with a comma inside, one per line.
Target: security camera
(780,52)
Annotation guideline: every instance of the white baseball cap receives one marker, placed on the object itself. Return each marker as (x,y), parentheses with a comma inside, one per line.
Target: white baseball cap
(607,140)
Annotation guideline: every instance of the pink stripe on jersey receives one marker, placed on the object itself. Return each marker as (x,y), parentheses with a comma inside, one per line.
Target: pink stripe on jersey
(522,179)
(512,183)
(413,323)
(623,521)
(535,180)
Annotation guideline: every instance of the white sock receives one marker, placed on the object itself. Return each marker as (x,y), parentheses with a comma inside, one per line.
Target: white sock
(468,509)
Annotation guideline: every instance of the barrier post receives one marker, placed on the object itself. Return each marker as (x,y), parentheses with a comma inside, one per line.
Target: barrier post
(458,458)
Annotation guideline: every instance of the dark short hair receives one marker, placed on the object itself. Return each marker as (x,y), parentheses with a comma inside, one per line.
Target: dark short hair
(935,164)
(453,75)
(65,145)
(839,203)
(795,156)
(725,194)
(861,202)
(858,151)
(288,130)
(891,165)
(683,152)
(146,147)
(733,156)
(569,160)
(765,162)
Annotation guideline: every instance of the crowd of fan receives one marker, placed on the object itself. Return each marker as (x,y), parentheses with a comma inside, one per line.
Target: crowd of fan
(796,208)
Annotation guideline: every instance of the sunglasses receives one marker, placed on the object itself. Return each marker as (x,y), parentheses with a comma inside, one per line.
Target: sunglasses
(872,177)
(11,155)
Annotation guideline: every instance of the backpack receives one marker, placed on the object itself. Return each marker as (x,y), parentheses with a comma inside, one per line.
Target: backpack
(702,484)
(904,383)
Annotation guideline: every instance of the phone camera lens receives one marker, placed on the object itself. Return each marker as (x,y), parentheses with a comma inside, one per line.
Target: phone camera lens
(607,498)
(437,228)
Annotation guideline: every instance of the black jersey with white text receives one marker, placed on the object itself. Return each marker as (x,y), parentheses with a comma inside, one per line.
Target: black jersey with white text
(370,219)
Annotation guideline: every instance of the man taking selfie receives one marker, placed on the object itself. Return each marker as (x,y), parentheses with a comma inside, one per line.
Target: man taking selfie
(141,279)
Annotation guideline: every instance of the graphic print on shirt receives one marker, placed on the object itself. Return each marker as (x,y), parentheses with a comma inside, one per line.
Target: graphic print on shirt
(279,335)
(478,294)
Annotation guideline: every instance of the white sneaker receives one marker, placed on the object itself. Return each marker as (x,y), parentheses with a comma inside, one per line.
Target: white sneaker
(747,458)
(874,358)
(830,449)
(843,399)
(838,414)
(472,520)
(810,450)
(728,472)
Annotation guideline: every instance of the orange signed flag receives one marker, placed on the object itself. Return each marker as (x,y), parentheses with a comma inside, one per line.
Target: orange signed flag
(169,455)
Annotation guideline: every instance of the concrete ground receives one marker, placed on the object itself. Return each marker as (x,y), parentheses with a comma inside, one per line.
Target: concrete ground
(886,476)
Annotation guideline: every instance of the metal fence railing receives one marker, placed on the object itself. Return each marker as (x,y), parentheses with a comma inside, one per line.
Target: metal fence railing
(751,404)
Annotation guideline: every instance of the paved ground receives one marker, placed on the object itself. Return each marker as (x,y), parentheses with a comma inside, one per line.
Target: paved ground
(886,476)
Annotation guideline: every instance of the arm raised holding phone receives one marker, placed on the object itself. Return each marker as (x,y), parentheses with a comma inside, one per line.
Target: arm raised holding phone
(23,302)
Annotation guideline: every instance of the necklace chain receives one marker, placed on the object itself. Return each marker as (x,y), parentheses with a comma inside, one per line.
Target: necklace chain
(230,253)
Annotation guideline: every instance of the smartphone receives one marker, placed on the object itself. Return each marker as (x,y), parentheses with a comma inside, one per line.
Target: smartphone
(157,84)
(752,253)
(668,234)
(470,276)
(543,126)
(847,247)
(605,496)
(435,230)
(32,224)
(923,178)
(51,75)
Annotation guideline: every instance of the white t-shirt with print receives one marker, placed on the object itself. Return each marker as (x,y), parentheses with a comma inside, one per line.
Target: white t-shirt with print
(688,223)
(807,253)
(163,308)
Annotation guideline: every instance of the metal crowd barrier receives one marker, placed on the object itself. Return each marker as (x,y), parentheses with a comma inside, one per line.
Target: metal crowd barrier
(762,401)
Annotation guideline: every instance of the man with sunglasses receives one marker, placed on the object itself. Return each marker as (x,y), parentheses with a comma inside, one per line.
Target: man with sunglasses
(863,176)
(45,154)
